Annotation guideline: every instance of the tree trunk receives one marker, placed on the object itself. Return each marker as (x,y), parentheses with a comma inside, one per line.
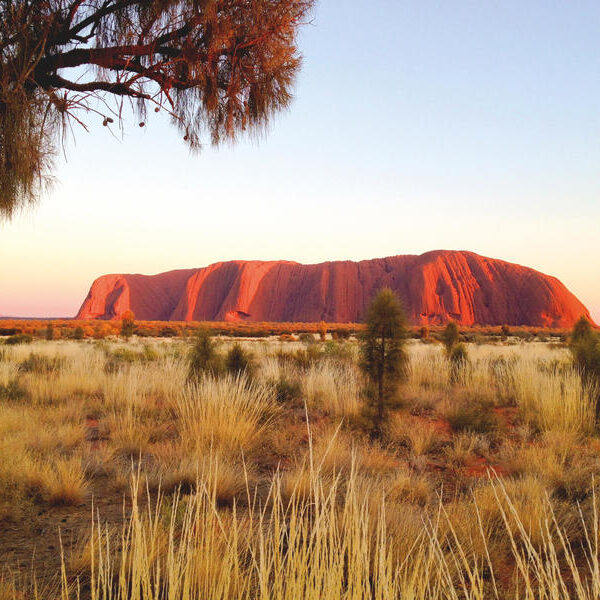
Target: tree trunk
(380,407)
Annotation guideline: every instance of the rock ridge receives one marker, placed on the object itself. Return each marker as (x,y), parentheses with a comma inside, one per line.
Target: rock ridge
(435,287)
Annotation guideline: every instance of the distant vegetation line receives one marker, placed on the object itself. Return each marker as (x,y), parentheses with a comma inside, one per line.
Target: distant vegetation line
(100,329)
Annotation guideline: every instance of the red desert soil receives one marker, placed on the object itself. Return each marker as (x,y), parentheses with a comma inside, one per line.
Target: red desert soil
(435,287)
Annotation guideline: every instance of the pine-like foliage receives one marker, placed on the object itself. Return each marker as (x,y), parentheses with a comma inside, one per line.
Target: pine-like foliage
(217,67)
(384,358)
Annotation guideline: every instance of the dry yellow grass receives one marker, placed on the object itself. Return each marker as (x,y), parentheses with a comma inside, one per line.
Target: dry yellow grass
(334,388)
(227,413)
(236,509)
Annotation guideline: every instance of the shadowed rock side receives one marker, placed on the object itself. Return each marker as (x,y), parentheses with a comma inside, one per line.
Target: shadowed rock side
(435,287)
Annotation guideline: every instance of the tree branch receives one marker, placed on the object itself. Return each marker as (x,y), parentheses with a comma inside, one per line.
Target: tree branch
(119,89)
(106,10)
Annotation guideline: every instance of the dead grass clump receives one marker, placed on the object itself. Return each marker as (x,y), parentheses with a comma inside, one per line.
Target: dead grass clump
(420,435)
(463,447)
(334,388)
(558,400)
(228,413)
(407,486)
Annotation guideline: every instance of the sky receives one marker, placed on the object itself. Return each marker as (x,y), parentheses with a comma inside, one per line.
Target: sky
(417,125)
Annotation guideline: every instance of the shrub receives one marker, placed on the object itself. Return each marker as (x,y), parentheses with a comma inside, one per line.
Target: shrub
(127,356)
(168,332)
(302,358)
(307,338)
(78,333)
(204,357)
(142,332)
(19,338)
(50,332)
(9,331)
(239,361)
(450,336)
(41,364)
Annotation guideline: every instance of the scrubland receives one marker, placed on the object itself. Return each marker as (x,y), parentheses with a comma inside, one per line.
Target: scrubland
(122,478)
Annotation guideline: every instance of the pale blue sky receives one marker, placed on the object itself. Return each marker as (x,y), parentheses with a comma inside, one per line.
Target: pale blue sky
(417,125)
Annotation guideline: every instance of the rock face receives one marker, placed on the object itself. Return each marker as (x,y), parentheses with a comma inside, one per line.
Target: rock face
(435,287)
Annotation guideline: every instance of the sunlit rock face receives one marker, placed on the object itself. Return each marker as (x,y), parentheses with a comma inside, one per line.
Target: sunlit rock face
(435,287)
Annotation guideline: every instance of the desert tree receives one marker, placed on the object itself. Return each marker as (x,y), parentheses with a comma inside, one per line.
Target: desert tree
(215,67)
(383,355)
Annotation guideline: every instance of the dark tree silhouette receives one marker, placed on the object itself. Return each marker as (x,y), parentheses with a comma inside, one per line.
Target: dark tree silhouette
(218,67)
(383,354)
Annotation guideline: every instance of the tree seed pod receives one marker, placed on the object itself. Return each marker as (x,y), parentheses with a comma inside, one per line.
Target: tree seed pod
(142,124)
(105,122)
(157,109)
(110,120)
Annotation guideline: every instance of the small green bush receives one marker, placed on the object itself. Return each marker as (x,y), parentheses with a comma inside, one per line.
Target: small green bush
(307,338)
(239,361)
(168,332)
(18,338)
(143,332)
(41,364)
(9,331)
(126,356)
(203,357)
(302,358)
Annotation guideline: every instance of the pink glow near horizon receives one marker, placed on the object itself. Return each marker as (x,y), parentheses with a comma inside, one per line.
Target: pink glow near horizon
(470,126)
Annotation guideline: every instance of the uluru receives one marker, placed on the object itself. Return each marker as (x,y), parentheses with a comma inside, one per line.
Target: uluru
(435,287)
